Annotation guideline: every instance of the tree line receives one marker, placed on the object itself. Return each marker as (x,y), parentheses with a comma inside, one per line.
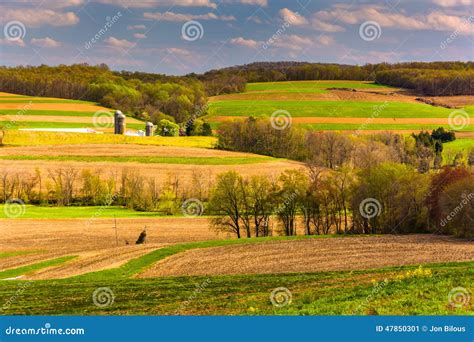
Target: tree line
(385,199)
(177,99)
(334,150)
(427,78)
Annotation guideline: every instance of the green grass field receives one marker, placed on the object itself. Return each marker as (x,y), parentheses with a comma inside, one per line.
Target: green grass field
(308,86)
(149,160)
(406,290)
(235,107)
(78,212)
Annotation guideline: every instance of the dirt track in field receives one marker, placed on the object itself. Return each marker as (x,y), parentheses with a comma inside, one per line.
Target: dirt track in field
(314,255)
(93,240)
(372,95)
(119,150)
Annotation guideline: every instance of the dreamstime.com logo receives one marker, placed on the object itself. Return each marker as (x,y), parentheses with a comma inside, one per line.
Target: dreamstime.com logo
(192,30)
(370,30)
(281,119)
(370,208)
(14,208)
(459,119)
(459,297)
(192,207)
(103,297)
(14,30)
(103,119)
(280,297)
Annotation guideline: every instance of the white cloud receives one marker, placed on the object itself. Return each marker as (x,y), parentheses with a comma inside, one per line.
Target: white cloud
(454,3)
(45,42)
(436,21)
(181,17)
(120,43)
(39,17)
(139,35)
(16,42)
(136,27)
(325,40)
(244,42)
(292,42)
(294,18)
(156,3)
(178,51)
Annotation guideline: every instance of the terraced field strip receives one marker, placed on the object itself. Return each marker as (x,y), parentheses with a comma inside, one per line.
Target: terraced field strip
(38,112)
(24,270)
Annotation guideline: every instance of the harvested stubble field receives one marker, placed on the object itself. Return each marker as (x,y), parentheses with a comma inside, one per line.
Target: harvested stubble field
(314,255)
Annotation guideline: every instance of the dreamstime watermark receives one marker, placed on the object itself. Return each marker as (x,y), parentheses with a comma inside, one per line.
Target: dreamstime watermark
(466,199)
(22,287)
(192,30)
(103,297)
(287,201)
(459,297)
(281,297)
(281,119)
(459,119)
(198,290)
(378,286)
(370,208)
(103,119)
(46,330)
(14,208)
(107,203)
(192,207)
(13,121)
(14,31)
(370,30)
(465,24)
(375,114)
(110,21)
(281,30)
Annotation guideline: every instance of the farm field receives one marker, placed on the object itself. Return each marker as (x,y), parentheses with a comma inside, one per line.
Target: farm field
(313,255)
(402,289)
(317,105)
(60,255)
(20,112)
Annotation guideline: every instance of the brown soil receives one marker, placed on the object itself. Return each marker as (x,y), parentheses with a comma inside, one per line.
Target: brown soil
(314,255)
(454,101)
(93,240)
(332,95)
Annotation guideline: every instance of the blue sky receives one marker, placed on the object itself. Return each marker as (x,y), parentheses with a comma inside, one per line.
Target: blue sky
(183,36)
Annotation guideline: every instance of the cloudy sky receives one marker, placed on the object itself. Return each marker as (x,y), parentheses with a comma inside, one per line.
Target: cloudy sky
(183,36)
